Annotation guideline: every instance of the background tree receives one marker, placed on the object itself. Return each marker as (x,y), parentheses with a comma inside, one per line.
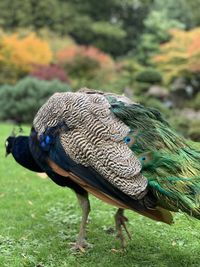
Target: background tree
(113,26)
(181,55)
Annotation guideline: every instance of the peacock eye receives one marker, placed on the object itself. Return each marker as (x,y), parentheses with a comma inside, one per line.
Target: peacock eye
(127,140)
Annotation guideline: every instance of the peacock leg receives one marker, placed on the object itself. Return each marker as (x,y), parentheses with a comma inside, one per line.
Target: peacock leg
(81,243)
(120,222)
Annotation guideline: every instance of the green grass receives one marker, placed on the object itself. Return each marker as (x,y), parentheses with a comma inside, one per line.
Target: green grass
(38,220)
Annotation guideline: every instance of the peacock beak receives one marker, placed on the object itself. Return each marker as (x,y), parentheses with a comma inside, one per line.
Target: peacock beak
(6,147)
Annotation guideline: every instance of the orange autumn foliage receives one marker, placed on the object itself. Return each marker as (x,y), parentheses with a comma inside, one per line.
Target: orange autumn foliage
(68,54)
(181,55)
(24,52)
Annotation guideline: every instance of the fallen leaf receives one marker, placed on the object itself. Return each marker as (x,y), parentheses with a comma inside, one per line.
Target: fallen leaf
(30,203)
(116,250)
(174,243)
(42,175)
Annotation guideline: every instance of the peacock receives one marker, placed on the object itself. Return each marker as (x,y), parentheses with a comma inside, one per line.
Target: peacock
(120,151)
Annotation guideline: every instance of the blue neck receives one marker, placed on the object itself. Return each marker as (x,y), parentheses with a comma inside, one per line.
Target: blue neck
(22,154)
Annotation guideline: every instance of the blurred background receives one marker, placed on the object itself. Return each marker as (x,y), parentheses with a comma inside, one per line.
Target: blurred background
(148,50)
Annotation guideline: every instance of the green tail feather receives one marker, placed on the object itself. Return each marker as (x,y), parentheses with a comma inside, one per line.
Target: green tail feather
(170,162)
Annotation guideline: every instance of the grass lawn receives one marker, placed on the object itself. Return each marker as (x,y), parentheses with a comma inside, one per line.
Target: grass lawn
(38,220)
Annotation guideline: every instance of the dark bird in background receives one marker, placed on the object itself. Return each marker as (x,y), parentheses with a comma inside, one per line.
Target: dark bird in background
(121,152)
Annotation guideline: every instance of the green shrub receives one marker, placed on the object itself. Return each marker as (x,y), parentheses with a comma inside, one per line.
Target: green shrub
(141,87)
(192,102)
(154,103)
(190,128)
(194,132)
(180,123)
(151,76)
(196,102)
(9,73)
(20,102)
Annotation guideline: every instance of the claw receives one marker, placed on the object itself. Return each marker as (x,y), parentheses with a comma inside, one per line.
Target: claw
(77,247)
(80,245)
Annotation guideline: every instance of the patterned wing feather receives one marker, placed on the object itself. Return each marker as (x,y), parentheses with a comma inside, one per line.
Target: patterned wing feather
(95,138)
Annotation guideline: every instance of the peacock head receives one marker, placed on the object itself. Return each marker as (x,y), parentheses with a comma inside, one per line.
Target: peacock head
(10,141)
(9,144)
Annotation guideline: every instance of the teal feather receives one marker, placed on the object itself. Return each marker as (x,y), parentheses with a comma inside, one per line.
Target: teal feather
(169,162)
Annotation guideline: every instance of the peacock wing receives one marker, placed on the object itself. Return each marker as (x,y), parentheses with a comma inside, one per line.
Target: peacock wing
(68,127)
(95,138)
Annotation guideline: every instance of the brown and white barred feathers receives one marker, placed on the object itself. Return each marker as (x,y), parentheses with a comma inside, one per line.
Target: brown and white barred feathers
(95,138)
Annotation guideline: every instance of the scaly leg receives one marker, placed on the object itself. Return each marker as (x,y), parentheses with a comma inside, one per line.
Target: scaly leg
(81,243)
(120,221)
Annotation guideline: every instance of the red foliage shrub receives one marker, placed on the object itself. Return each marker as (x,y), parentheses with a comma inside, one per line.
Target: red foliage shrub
(50,72)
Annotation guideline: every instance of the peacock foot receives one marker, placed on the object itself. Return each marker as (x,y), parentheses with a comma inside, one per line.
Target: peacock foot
(120,222)
(80,245)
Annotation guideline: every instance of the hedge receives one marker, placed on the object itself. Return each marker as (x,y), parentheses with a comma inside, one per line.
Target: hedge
(21,101)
